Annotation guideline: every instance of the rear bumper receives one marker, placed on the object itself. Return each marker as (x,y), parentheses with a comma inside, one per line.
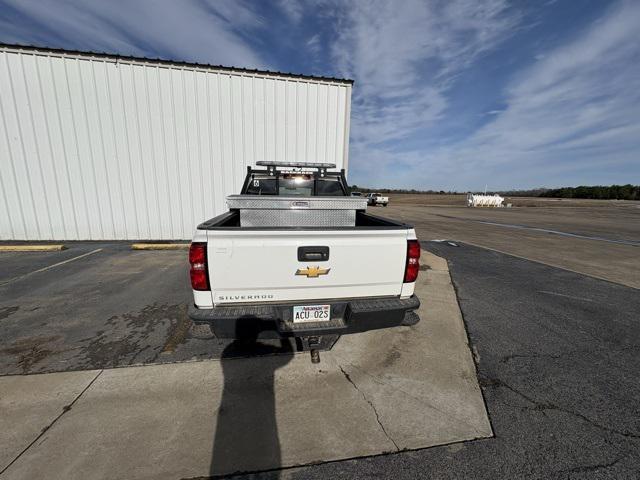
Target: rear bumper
(275,320)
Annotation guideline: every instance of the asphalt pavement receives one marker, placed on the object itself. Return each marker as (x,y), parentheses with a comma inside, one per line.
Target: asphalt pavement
(557,359)
(96,305)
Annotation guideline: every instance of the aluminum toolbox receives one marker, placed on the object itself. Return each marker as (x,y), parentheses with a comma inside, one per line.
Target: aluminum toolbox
(276,211)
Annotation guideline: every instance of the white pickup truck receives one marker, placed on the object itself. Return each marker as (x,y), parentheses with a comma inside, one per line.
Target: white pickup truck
(374,199)
(270,279)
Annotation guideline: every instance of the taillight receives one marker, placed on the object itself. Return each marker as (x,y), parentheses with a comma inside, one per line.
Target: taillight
(198,261)
(413,265)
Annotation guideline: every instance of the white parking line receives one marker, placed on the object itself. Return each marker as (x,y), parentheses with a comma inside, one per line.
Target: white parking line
(557,294)
(51,266)
(563,234)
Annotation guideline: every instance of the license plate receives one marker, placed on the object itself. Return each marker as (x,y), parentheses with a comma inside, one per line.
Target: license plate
(311,313)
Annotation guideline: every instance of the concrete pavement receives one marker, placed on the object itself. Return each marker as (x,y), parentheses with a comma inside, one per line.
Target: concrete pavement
(378,392)
(30,404)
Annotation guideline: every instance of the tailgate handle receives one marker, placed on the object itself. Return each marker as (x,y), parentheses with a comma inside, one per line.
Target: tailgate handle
(315,254)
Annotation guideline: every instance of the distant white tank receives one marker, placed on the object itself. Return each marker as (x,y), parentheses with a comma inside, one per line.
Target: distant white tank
(480,200)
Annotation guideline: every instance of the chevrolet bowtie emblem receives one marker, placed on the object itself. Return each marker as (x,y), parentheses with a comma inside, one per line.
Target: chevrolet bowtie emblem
(312,272)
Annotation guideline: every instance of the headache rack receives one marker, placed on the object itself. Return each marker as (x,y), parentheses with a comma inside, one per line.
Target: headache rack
(288,194)
(277,170)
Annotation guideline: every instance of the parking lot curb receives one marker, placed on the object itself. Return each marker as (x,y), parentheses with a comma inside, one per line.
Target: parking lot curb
(32,248)
(160,246)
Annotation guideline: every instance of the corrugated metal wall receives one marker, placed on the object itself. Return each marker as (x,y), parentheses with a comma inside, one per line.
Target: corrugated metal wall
(93,148)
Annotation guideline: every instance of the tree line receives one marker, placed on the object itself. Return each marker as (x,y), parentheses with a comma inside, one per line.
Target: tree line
(356,188)
(598,192)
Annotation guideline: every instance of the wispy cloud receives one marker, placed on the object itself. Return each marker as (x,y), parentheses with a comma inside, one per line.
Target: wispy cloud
(313,44)
(214,31)
(575,111)
(404,57)
(293,9)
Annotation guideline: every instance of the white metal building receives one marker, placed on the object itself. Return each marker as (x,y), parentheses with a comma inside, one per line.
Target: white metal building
(95,146)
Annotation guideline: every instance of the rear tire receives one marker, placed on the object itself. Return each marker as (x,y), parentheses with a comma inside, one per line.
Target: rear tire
(202,331)
(410,318)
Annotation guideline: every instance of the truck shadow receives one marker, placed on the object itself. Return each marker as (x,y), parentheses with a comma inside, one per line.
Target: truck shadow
(246,436)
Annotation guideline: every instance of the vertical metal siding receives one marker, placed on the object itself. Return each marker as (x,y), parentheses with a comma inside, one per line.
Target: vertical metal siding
(93,149)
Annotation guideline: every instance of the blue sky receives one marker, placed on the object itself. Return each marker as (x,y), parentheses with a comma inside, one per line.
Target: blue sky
(450,94)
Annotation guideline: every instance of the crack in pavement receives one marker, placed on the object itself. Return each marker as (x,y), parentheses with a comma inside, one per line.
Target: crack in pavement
(348,377)
(593,468)
(557,356)
(65,409)
(422,402)
(541,407)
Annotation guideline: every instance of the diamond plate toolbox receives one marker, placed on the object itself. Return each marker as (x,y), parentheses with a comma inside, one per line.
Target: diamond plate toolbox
(273,211)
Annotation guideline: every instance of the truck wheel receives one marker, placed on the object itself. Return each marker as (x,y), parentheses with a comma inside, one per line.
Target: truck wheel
(384,204)
(410,318)
(201,331)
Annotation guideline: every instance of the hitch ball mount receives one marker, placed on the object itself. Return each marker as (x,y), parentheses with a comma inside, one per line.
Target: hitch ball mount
(314,344)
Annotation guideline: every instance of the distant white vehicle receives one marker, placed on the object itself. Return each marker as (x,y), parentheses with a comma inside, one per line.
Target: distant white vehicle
(480,200)
(374,199)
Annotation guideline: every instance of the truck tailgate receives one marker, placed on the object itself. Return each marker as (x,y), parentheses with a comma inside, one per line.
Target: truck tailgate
(251,266)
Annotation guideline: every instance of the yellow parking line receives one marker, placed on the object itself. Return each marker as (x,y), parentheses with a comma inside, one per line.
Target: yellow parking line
(31,248)
(159,246)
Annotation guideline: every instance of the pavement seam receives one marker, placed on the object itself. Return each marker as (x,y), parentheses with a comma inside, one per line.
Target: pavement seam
(65,409)
(384,430)
(591,275)
(473,351)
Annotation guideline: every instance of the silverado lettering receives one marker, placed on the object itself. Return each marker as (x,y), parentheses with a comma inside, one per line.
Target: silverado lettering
(224,298)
